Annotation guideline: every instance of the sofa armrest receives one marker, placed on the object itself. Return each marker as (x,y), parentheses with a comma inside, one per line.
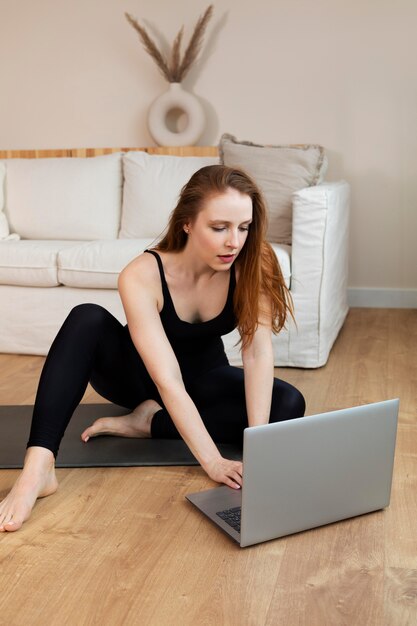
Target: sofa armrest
(319,263)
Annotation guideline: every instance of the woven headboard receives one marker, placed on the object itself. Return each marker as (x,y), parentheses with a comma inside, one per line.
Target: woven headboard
(91,152)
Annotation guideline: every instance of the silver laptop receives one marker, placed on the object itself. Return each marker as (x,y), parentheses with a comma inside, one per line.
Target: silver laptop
(306,472)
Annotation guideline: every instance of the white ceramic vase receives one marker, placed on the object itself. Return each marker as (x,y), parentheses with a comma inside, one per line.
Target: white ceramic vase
(178,99)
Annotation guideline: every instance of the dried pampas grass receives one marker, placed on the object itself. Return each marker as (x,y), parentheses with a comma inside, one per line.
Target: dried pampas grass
(173,69)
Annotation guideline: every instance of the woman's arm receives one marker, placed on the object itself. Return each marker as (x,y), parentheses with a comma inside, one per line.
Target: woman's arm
(258,365)
(139,294)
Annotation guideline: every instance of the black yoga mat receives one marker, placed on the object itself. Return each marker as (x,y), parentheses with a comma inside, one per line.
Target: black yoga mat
(103,451)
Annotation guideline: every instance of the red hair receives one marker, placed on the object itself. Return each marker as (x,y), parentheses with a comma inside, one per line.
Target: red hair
(260,273)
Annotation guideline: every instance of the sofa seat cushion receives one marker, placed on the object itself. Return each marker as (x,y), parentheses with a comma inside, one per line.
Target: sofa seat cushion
(64,198)
(28,263)
(94,264)
(97,264)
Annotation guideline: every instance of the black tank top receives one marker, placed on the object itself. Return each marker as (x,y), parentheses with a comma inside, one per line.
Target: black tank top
(197,346)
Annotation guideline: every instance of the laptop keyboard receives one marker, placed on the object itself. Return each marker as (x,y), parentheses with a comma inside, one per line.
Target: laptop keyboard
(231,517)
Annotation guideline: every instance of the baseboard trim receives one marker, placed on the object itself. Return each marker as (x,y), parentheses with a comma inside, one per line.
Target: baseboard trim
(382,298)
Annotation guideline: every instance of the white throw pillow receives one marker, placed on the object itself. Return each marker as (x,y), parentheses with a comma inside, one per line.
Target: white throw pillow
(151,189)
(65,198)
(279,171)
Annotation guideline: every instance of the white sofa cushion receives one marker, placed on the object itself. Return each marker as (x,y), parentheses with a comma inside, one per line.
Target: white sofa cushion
(151,189)
(97,264)
(279,171)
(64,198)
(29,263)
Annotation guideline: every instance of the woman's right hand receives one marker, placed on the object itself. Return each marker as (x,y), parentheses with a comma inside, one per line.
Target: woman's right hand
(225,471)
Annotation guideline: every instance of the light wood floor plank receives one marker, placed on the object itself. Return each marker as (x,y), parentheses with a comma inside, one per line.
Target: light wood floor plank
(123,546)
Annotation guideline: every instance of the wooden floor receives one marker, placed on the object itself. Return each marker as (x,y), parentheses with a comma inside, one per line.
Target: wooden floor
(122,546)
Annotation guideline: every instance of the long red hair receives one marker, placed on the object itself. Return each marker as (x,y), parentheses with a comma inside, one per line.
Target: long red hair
(259,270)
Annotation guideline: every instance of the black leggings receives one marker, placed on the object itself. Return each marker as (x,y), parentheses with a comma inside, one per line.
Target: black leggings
(93,346)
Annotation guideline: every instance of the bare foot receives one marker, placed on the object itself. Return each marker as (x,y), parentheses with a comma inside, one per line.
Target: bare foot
(36,480)
(136,424)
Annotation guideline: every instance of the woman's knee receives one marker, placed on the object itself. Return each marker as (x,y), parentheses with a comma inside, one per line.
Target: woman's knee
(298,403)
(88,313)
(287,402)
(85,322)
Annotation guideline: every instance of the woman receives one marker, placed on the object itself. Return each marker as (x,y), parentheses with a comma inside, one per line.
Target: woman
(211,272)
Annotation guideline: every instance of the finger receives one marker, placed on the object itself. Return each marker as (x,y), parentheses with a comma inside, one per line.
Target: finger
(239,469)
(237,466)
(236,477)
(231,483)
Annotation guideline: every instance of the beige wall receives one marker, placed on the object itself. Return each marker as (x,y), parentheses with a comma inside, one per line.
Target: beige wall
(338,72)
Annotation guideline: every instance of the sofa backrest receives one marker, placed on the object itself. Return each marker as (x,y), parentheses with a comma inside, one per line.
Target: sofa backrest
(76,194)
(60,194)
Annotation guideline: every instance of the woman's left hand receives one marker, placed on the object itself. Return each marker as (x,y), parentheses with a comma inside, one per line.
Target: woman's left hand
(225,471)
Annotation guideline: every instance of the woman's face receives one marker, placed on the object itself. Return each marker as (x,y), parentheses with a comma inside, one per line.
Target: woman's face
(221,228)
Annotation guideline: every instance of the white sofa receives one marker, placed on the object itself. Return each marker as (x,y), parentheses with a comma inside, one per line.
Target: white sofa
(69,225)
